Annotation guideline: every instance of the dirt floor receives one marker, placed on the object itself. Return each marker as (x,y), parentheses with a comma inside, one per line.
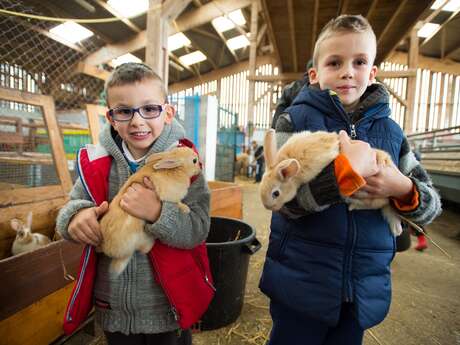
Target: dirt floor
(426,289)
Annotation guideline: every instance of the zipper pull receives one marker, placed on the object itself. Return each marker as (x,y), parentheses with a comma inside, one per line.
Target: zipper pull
(209,283)
(353,131)
(175,313)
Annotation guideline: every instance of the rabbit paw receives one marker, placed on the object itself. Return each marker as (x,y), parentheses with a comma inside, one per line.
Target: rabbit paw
(183,207)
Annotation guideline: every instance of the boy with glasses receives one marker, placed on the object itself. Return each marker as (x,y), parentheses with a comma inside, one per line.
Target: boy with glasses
(134,308)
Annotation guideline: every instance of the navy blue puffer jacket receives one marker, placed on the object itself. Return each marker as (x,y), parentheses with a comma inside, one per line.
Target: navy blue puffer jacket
(316,262)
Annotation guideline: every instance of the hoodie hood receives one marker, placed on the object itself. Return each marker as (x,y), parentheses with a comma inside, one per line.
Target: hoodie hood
(374,103)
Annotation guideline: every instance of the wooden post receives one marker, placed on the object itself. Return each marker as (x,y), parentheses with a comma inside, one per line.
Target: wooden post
(156,52)
(93,111)
(252,65)
(411,81)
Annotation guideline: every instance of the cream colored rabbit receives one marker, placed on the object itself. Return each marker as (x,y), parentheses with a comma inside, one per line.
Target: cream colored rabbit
(300,160)
(25,240)
(123,234)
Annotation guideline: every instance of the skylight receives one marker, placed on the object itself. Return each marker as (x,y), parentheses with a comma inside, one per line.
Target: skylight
(427,30)
(452,5)
(177,41)
(71,32)
(237,42)
(124,59)
(223,24)
(129,8)
(192,58)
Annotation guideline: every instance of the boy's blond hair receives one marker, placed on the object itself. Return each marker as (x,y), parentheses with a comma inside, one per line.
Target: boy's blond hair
(345,23)
(132,72)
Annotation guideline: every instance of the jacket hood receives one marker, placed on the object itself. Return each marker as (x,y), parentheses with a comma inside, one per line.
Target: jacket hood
(372,104)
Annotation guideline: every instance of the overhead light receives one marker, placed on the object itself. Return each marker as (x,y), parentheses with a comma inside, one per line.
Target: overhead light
(452,5)
(177,41)
(192,58)
(237,17)
(129,8)
(71,32)
(427,30)
(237,42)
(124,59)
(223,24)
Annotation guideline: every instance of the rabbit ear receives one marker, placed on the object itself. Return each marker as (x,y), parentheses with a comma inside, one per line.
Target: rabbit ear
(288,169)
(29,220)
(16,224)
(167,163)
(270,148)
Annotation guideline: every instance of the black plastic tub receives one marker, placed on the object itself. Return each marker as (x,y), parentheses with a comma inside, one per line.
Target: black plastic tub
(230,244)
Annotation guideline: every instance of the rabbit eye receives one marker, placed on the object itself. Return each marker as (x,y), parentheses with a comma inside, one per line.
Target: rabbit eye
(195,160)
(21,233)
(275,194)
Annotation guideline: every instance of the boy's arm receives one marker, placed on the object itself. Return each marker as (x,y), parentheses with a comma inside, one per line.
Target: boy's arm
(79,200)
(184,230)
(425,204)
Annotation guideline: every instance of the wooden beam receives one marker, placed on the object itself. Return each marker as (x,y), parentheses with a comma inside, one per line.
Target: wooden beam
(424,62)
(93,112)
(117,14)
(281,78)
(451,52)
(397,74)
(290,10)
(197,46)
(171,9)
(252,65)
(261,33)
(344,7)
(371,9)
(271,33)
(220,73)
(443,25)
(176,60)
(93,71)
(314,28)
(156,51)
(390,23)
(411,81)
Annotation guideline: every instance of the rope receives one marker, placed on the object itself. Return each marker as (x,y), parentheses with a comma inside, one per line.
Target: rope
(76,20)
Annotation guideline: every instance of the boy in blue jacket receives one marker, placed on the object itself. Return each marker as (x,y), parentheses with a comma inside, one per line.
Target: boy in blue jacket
(327,269)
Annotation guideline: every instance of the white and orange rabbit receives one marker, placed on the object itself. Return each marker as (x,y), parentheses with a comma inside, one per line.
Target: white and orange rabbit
(300,160)
(122,233)
(25,240)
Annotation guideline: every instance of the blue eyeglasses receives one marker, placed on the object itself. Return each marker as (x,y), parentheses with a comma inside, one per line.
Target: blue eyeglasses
(148,111)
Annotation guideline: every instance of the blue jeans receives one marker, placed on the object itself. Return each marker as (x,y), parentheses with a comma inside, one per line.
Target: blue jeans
(291,328)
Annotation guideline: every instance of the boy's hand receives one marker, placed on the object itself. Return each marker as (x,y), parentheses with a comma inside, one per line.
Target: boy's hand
(361,156)
(388,182)
(142,201)
(84,227)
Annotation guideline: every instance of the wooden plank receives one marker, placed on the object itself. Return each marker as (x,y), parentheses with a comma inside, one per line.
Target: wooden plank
(271,33)
(44,221)
(411,82)
(424,62)
(252,64)
(11,138)
(390,23)
(171,9)
(226,199)
(290,7)
(93,112)
(314,28)
(12,196)
(29,277)
(39,323)
(57,145)
(220,73)
(156,51)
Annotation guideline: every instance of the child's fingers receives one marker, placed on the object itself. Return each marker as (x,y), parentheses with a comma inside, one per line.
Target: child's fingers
(344,138)
(148,184)
(101,209)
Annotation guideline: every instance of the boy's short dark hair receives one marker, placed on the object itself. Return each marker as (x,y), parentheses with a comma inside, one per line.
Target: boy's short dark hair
(345,23)
(132,72)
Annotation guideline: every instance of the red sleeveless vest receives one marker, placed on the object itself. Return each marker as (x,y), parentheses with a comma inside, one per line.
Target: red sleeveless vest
(184,274)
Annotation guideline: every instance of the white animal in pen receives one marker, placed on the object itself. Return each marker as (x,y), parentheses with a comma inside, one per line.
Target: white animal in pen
(300,160)
(25,240)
